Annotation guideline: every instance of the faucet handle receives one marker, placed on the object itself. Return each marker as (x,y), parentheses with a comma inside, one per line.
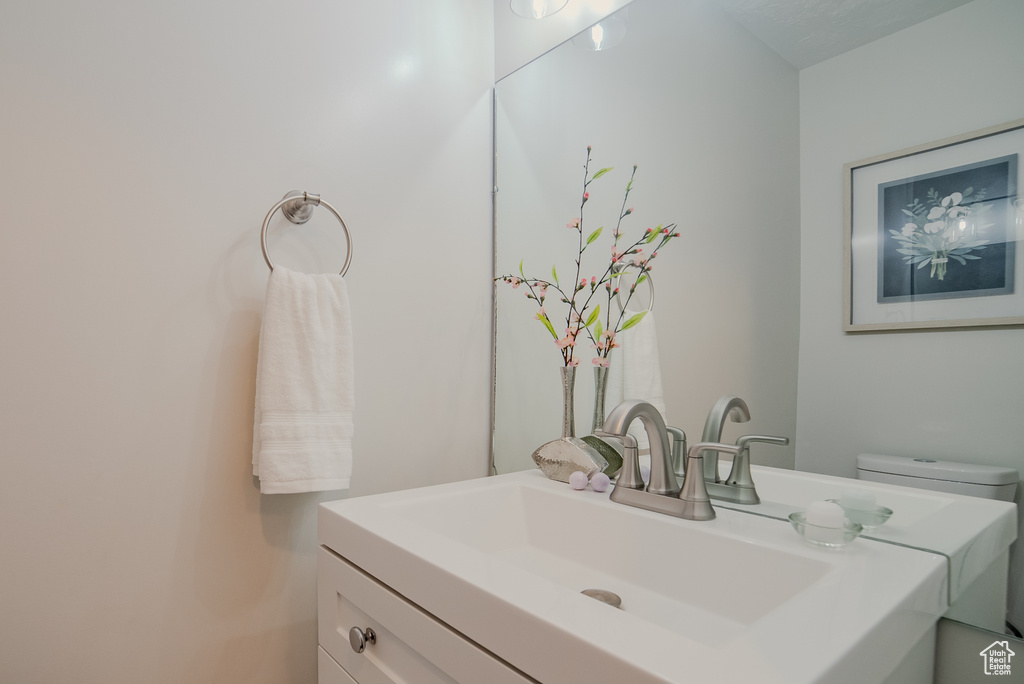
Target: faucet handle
(695,491)
(629,476)
(740,474)
(745,440)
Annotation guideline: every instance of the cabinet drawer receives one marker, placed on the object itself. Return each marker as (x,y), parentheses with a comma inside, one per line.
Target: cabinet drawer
(330,672)
(411,645)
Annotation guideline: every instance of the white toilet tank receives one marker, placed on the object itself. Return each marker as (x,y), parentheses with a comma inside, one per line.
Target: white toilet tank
(990,482)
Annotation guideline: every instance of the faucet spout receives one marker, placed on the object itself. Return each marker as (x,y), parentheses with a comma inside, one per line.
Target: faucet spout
(663,478)
(728,406)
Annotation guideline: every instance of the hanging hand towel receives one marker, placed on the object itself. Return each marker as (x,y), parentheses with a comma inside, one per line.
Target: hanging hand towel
(302,432)
(638,376)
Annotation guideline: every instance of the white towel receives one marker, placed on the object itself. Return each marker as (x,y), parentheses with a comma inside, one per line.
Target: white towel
(302,431)
(638,373)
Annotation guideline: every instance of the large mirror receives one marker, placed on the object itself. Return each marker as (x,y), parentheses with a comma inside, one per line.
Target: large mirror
(709,115)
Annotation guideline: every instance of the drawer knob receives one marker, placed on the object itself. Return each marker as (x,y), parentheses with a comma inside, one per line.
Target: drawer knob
(359,638)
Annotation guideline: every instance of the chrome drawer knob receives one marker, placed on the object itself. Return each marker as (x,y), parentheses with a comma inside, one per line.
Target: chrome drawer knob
(359,638)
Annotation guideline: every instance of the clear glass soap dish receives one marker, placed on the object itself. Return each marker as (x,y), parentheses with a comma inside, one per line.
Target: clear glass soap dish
(866,518)
(833,537)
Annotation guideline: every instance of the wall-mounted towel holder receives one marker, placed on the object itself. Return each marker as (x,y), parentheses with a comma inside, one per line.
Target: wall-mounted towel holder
(297,207)
(617,271)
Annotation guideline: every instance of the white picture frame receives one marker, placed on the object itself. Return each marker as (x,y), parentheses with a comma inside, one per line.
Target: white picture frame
(933,235)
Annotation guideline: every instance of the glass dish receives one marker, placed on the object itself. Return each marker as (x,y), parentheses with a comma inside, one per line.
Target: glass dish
(866,518)
(832,537)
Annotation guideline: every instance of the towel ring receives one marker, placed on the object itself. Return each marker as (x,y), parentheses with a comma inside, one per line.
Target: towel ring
(298,207)
(617,271)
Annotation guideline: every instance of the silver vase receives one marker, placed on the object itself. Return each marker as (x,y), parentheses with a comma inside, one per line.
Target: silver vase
(600,389)
(560,458)
(610,448)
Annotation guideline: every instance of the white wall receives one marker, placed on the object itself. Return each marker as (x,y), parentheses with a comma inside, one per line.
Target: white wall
(954,395)
(143,145)
(715,134)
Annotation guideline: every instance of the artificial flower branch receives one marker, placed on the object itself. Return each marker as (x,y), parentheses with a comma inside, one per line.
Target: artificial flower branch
(602,337)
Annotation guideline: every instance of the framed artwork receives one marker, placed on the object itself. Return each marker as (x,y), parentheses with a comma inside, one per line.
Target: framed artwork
(932,235)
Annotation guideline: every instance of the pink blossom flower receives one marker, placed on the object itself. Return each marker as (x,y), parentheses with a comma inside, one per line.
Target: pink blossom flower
(567,341)
(573,223)
(573,363)
(515,282)
(599,361)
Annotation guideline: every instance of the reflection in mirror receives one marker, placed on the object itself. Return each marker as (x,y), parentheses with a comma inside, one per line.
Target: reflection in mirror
(710,117)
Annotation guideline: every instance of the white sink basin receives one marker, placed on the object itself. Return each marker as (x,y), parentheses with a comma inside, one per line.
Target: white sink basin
(738,599)
(971,532)
(578,543)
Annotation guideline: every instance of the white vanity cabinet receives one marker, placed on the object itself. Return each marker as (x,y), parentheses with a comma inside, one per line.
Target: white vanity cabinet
(409,644)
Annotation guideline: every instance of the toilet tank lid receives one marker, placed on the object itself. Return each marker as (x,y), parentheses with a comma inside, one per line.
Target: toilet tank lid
(948,471)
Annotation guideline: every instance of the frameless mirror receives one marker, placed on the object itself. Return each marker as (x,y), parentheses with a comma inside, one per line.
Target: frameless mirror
(709,115)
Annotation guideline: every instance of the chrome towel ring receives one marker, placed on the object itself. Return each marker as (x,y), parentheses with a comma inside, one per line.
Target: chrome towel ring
(617,272)
(298,207)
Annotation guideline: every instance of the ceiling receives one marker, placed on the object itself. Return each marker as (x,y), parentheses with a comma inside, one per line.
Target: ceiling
(806,32)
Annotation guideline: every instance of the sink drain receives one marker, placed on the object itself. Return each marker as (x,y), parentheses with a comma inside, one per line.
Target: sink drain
(609,597)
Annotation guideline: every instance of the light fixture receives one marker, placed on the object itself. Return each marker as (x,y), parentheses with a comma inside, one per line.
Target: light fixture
(605,34)
(536,9)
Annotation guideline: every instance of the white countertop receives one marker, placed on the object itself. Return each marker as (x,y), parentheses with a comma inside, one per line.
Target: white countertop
(970,531)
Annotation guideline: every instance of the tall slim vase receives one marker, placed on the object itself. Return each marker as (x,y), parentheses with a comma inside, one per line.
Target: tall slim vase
(560,458)
(609,447)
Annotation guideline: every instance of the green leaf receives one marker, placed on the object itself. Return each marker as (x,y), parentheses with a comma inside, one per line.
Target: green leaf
(554,274)
(547,324)
(600,172)
(521,268)
(633,320)
(640,280)
(593,316)
(655,233)
(609,453)
(596,234)
(598,330)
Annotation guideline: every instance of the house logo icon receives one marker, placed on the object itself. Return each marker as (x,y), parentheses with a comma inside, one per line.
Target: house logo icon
(997,658)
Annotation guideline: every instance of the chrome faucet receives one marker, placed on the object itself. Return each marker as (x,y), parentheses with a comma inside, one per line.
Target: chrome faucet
(739,486)
(736,409)
(663,479)
(663,494)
